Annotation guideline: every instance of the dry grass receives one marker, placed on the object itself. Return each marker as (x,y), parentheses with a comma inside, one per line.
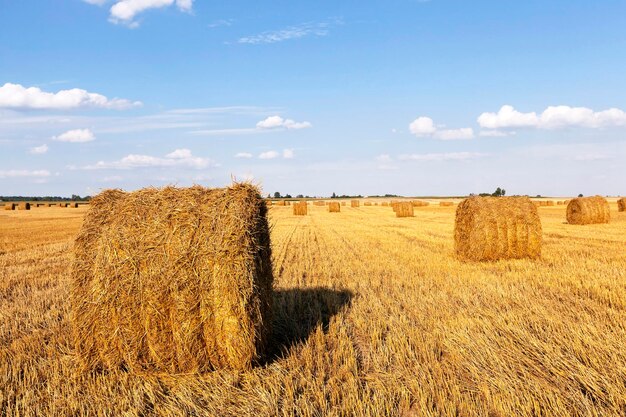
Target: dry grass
(492,228)
(374,316)
(588,210)
(195,264)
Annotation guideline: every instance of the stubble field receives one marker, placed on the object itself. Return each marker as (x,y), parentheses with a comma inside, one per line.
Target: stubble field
(374,316)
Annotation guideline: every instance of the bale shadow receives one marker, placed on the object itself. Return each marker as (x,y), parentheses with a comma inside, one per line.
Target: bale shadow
(298,312)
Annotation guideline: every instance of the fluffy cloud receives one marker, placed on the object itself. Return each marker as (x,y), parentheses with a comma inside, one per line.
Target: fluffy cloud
(277,122)
(38,150)
(450,156)
(178,158)
(125,11)
(16,96)
(553,117)
(76,136)
(22,173)
(286,154)
(425,127)
(269,155)
(245,155)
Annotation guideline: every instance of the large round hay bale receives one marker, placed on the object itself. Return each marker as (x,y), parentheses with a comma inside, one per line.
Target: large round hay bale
(334,207)
(588,210)
(10,206)
(621,204)
(173,280)
(300,209)
(23,206)
(491,228)
(404,209)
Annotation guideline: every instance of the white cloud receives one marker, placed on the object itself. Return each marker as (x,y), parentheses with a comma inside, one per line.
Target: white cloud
(17,96)
(38,150)
(178,158)
(425,127)
(220,23)
(96,2)
(422,126)
(76,136)
(455,134)
(269,155)
(277,122)
(291,32)
(22,173)
(288,153)
(553,117)
(384,158)
(125,11)
(245,155)
(450,156)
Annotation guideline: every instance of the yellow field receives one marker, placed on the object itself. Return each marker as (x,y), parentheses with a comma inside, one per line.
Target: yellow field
(374,316)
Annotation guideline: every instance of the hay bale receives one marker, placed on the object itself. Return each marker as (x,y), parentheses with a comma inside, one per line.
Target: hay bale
(343,203)
(319,203)
(10,206)
(355,203)
(419,203)
(404,209)
(23,206)
(385,204)
(367,203)
(279,203)
(621,204)
(173,280)
(491,228)
(74,205)
(300,209)
(588,210)
(334,207)
(51,204)
(446,203)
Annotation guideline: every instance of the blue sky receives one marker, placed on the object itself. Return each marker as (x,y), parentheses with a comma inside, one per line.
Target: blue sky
(438,97)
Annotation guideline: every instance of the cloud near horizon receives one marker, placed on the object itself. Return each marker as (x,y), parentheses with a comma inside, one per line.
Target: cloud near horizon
(277,122)
(16,96)
(178,158)
(553,117)
(425,127)
(76,136)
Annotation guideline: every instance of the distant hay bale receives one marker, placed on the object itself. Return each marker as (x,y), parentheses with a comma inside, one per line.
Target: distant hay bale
(173,280)
(51,204)
(394,205)
(279,203)
(268,203)
(549,203)
(385,204)
(62,204)
(419,203)
(446,203)
(559,203)
(319,203)
(300,209)
(375,204)
(74,205)
(367,203)
(355,203)
(621,204)
(491,228)
(588,210)
(10,206)
(404,209)
(23,206)
(334,207)
(343,203)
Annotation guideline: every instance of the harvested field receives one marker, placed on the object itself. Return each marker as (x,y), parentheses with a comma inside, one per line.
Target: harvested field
(373,316)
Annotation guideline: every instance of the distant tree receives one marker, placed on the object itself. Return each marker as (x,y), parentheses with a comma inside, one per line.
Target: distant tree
(299,196)
(580,195)
(75,197)
(334,195)
(276,194)
(269,195)
(498,193)
(288,196)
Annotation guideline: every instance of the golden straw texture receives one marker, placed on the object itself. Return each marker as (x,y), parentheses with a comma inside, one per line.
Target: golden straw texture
(491,228)
(173,280)
(334,207)
(404,209)
(300,209)
(588,210)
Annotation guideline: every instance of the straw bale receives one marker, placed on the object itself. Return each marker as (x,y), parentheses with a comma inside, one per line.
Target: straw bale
(404,209)
(367,203)
(279,203)
(343,203)
(334,207)
(172,280)
(491,228)
(300,208)
(319,203)
(446,203)
(385,204)
(588,210)
(355,203)
(419,203)
(621,204)
(23,206)
(10,206)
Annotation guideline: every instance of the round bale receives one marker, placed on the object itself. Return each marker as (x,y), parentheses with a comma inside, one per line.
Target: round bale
(491,228)
(334,207)
(23,206)
(300,208)
(173,280)
(588,210)
(621,204)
